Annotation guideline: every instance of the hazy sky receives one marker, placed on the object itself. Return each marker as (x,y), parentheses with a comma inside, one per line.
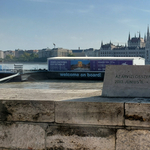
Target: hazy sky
(37,24)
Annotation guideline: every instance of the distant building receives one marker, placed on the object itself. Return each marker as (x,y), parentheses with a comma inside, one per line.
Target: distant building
(78,52)
(1,54)
(44,53)
(60,52)
(9,52)
(91,52)
(55,52)
(137,41)
(137,47)
(19,52)
(110,50)
(147,47)
(31,51)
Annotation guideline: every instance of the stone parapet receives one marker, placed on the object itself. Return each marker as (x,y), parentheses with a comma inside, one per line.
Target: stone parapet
(80,137)
(137,112)
(72,120)
(96,113)
(31,111)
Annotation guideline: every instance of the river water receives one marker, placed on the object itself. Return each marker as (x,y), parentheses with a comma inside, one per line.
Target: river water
(26,66)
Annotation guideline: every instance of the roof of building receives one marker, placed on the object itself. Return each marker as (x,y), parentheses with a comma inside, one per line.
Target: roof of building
(96,58)
(77,51)
(108,45)
(136,39)
(119,48)
(135,48)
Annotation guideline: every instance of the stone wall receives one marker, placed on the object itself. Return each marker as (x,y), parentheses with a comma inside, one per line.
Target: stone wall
(78,122)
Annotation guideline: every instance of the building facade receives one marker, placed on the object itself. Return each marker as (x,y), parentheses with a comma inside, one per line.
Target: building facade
(55,52)
(9,52)
(1,54)
(78,52)
(60,52)
(136,47)
(91,52)
(19,52)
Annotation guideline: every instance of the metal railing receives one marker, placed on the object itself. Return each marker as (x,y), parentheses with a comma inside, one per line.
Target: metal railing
(9,77)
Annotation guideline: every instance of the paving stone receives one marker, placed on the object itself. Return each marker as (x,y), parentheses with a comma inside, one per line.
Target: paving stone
(45,94)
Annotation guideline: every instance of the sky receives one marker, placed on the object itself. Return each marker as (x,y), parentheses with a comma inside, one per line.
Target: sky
(70,24)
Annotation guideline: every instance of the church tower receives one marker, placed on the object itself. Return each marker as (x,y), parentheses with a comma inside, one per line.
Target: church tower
(129,39)
(136,41)
(147,47)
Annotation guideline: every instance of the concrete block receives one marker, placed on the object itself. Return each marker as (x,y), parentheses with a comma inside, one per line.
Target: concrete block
(98,113)
(126,81)
(137,113)
(34,111)
(133,140)
(22,136)
(79,137)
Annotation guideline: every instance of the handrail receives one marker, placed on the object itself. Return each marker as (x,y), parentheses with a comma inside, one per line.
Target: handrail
(9,77)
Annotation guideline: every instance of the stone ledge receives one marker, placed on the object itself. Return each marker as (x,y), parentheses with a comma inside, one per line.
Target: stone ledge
(98,113)
(137,112)
(31,111)
(79,120)
(73,107)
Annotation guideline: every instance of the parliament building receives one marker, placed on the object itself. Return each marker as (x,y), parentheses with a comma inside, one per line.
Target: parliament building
(136,47)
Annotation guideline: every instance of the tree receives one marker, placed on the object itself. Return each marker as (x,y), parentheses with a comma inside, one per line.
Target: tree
(9,58)
(26,57)
(71,55)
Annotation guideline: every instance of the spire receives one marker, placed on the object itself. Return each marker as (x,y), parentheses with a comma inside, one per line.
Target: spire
(148,32)
(101,43)
(144,38)
(139,35)
(129,37)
